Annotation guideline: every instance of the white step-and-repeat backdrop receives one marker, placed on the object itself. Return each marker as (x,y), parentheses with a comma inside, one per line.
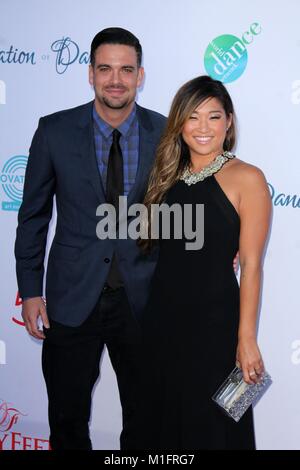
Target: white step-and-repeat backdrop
(254,48)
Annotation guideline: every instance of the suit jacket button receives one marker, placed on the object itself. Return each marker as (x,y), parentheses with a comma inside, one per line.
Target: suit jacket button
(106,260)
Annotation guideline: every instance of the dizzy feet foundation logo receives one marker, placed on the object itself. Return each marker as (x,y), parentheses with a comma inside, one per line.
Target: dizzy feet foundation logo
(10,438)
(226,56)
(18,303)
(8,416)
(12,181)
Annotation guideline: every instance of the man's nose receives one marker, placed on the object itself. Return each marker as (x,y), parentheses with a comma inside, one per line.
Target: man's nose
(115,76)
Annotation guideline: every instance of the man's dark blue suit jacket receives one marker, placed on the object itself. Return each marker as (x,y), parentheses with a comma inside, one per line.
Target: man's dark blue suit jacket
(62,162)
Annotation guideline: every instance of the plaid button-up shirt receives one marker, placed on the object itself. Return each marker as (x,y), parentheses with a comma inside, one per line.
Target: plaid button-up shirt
(129,143)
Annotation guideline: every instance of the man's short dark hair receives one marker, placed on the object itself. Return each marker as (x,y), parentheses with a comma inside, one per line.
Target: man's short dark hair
(116,36)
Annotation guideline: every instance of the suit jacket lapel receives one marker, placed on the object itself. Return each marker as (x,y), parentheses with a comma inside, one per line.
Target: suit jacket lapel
(86,146)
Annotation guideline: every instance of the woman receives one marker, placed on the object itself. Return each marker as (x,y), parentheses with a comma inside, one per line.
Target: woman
(198,322)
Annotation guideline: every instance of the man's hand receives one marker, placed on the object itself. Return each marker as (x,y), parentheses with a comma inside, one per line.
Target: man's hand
(32,309)
(236,263)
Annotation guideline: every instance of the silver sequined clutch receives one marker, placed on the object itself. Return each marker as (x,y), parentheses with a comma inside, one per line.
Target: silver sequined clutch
(235,396)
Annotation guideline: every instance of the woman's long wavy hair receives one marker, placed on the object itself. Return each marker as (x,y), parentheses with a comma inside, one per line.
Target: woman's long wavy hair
(172,154)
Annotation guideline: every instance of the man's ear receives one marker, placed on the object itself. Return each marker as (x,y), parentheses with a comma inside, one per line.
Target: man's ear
(141,75)
(91,75)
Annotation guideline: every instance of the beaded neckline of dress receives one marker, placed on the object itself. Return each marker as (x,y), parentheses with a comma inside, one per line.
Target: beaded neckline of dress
(192,178)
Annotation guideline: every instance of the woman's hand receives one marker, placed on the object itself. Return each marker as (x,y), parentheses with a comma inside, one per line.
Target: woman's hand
(249,359)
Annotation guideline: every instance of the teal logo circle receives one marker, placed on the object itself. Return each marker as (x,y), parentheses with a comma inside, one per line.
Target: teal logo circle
(225,58)
(12,177)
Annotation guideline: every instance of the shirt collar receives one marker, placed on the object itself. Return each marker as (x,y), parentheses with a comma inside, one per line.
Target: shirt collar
(106,129)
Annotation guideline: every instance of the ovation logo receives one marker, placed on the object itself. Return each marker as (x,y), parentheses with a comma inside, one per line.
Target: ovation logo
(12,181)
(284,200)
(226,56)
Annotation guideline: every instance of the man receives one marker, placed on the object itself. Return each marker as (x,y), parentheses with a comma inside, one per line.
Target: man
(95,289)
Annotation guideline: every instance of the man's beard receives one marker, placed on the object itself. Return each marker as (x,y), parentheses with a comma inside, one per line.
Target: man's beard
(113,105)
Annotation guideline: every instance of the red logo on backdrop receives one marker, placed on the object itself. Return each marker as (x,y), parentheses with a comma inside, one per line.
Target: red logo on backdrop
(8,416)
(12,440)
(18,302)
